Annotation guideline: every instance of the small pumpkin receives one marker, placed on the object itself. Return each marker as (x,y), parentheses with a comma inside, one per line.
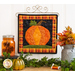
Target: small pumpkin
(37,34)
(18,64)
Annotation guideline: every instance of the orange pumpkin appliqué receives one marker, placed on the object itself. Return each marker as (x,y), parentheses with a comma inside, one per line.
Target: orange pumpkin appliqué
(37,35)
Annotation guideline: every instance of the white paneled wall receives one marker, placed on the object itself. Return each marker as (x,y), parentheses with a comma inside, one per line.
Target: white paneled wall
(9,22)
(70,16)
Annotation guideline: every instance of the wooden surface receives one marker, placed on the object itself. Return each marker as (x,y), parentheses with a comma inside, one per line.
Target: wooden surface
(39,69)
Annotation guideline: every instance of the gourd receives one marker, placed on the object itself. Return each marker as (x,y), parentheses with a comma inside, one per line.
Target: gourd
(37,34)
(18,64)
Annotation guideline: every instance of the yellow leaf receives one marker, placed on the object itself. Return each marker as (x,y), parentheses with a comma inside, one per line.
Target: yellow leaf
(73,36)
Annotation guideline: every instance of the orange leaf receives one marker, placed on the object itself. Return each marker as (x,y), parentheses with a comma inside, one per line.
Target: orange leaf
(60,43)
(59,34)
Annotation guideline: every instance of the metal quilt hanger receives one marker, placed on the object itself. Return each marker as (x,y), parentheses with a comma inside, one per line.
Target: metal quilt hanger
(37,10)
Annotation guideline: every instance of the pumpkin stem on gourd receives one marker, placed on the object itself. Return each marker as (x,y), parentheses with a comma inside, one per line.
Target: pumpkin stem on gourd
(39,23)
(18,58)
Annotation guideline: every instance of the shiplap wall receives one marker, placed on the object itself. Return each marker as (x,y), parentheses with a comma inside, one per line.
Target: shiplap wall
(9,22)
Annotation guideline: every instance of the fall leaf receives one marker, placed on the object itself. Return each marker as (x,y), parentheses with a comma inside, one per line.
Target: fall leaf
(66,37)
(73,35)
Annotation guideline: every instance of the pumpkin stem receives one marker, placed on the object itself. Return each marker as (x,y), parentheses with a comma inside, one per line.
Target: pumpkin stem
(39,23)
(18,57)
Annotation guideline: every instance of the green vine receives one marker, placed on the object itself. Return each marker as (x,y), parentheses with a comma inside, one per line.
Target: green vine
(39,63)
(65,65)
(2,68)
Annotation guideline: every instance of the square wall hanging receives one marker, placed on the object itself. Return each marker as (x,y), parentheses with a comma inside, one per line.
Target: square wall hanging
(37,33)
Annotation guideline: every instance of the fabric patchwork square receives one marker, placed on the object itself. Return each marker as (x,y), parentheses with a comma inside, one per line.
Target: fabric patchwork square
(37,33)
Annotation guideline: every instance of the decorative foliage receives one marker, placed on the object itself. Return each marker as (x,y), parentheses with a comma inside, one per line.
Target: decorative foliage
(5,55)
(72,65)
(55,61)
(33,22)
(65,65)
(39,63)
(66,37)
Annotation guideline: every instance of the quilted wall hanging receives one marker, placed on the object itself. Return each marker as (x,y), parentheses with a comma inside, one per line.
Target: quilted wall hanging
(37,33)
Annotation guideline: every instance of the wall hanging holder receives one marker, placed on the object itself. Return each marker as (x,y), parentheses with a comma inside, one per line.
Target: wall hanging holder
(37,31)
(37,9)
